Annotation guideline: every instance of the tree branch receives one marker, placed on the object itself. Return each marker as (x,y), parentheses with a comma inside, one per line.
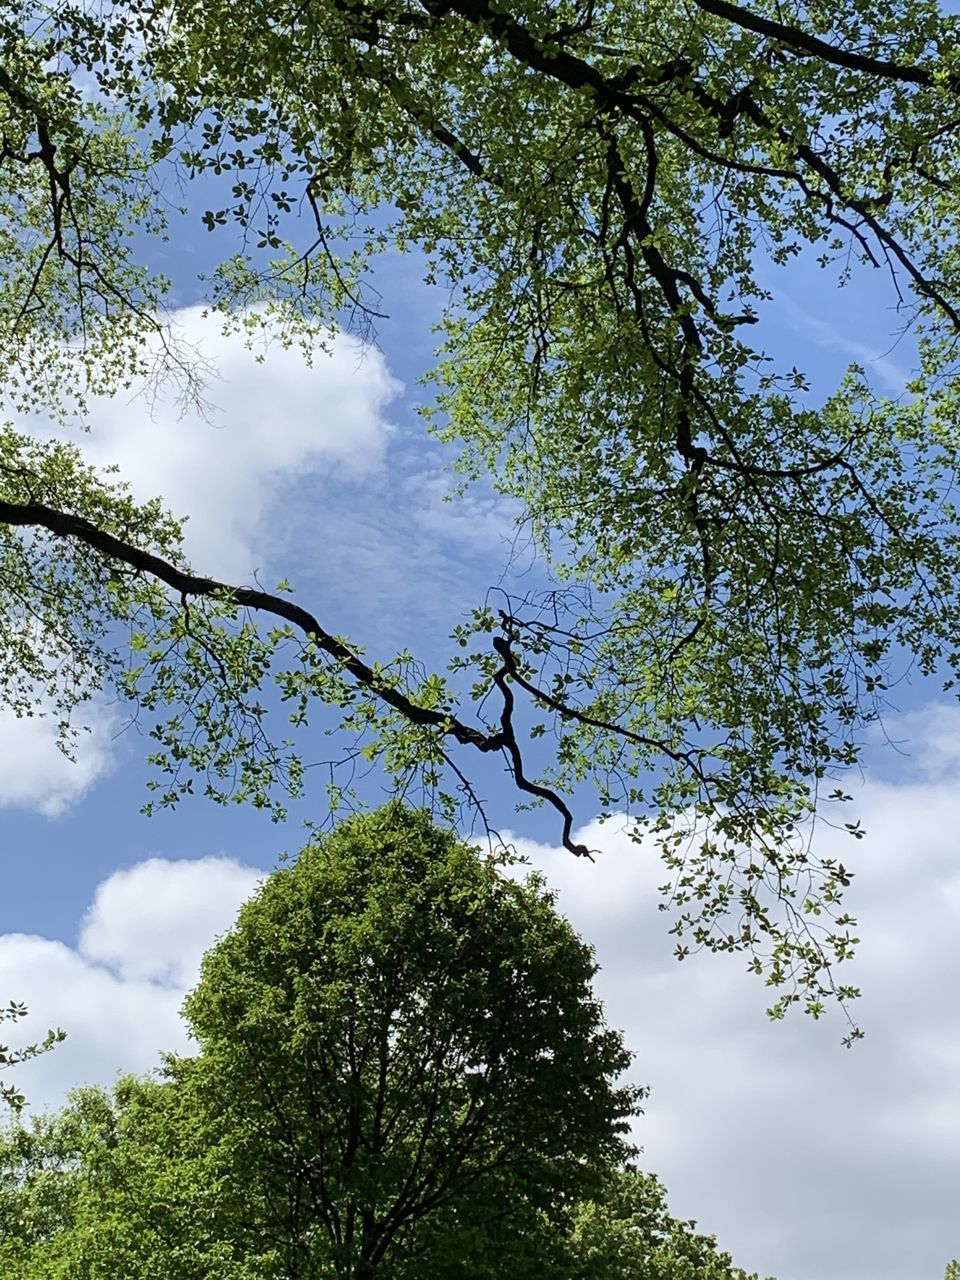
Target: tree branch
(77,528)
(811,46)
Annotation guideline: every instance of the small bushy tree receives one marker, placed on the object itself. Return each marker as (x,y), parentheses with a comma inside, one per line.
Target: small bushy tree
(627,1233)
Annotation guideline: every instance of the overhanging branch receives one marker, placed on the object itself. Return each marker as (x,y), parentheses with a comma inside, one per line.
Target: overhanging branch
(805,45)
(189,585)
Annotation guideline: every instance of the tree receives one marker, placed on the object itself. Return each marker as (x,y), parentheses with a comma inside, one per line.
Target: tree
(626,1233)
(83,1193)
(402,1071)
(102,1190)
(401,1060)
(75,183)
(741,569)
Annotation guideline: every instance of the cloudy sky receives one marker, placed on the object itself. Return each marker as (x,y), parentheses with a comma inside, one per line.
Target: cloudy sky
(810,1162)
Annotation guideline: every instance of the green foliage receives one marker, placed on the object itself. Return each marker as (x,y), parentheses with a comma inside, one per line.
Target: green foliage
(401,1066)
(401,1060)
(9,1095)
(742,572)
(605,191)
(627,1234)
(102,1191)
(76,309)
(60,606)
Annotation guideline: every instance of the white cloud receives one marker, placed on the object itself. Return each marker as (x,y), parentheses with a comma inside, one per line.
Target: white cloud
(117,994)
(152,923)
(264,426)
(809,1161)
(231,471)
(926,743)
(34,772)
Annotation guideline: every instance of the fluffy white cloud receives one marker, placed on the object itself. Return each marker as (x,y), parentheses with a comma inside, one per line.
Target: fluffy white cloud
(153,922)
(265,428)
(117,994)
(35,774)
(809,1161)
(268,419)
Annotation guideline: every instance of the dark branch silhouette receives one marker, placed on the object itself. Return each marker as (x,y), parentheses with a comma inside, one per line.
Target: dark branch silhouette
(190,585)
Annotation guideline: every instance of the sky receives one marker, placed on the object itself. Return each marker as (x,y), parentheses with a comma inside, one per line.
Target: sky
(809,1161)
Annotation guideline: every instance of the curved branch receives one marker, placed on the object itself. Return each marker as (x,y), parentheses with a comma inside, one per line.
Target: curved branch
(501,679)
(63,525)
(189,585)
(502,646)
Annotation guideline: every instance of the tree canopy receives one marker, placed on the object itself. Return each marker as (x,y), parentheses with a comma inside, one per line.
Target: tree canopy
(400,1053)
(402,1072)
(401,1066)
(607,192)
(626,1233)
(87,1192)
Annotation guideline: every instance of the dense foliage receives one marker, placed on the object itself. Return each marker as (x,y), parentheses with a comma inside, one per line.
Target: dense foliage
(401,1072)
(86,1193)
(400,1052)
(606,192)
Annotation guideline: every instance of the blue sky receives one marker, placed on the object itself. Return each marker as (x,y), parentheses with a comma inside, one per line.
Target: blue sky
(809,1162)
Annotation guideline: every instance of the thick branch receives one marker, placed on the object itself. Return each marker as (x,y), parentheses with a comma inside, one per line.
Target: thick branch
(613,95)
(63,525)
(79,529)
(811,46)
(502,680)
(502,646)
